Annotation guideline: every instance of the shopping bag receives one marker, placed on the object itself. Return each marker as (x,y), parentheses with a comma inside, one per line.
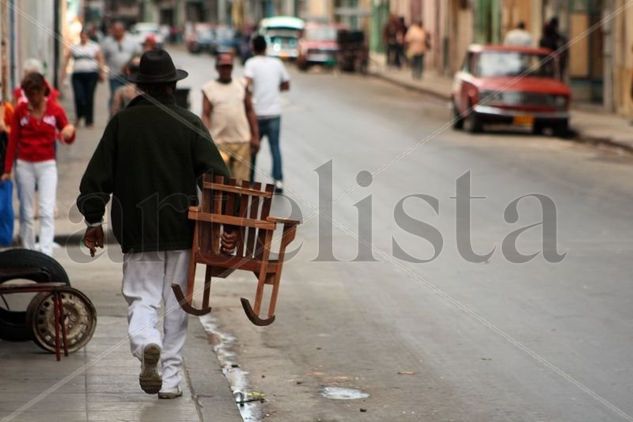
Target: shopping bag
(6,213)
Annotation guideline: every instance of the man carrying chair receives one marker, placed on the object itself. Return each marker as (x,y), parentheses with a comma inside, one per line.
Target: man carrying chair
(149,159)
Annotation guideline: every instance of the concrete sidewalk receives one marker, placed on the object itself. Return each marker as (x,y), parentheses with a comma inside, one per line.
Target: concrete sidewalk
(594,127)
(100,382)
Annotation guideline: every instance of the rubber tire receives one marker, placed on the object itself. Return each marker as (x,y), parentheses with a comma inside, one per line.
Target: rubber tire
(13,326)
(13,323)
(458,121)
(561,130)
(34,307)
(537,129)
(474,123)
(21,258)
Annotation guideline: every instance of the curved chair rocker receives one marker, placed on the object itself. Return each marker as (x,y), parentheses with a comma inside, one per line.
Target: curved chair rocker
(243,207)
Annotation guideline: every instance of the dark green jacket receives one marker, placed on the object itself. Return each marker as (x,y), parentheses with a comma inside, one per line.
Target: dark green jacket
(149,158)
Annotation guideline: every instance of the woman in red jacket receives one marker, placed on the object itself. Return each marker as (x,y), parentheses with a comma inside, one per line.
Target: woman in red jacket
(34,129)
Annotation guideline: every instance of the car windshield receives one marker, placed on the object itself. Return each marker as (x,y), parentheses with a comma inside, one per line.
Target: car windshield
(503,63)
(321,33)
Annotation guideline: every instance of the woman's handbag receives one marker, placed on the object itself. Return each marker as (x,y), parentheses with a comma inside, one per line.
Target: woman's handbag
(6,213)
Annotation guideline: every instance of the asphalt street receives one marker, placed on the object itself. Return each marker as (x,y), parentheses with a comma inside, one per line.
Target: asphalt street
(449,339)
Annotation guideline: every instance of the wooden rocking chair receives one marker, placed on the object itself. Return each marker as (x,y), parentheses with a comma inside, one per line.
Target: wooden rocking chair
(244,208)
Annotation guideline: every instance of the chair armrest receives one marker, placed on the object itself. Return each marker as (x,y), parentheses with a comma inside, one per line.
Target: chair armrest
(286,221)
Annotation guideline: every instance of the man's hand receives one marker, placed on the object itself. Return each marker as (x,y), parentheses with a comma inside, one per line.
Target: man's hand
(254,146)
(229,240)
(93,239)
(5,176)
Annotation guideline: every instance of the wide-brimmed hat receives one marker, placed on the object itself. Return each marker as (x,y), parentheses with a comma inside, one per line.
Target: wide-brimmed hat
(157,67)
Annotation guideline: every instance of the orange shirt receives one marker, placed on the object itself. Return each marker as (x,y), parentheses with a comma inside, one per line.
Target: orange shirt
(6,114)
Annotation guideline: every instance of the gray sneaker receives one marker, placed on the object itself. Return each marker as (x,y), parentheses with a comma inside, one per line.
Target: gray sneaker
(170,394)
(149,378)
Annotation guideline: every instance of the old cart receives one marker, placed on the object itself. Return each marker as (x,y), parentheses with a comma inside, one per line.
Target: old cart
(57,318)
(244,208)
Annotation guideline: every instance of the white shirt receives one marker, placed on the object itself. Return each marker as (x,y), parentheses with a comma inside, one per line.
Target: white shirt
(85,57)
(519,37)
(267,73)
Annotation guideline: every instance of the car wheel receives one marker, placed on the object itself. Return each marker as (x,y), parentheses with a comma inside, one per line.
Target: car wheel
(537,129)
(561,129)
(458,120)
(80,319)
(473,123)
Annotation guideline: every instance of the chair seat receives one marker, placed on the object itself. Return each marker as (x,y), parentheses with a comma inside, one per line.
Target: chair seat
(237,262)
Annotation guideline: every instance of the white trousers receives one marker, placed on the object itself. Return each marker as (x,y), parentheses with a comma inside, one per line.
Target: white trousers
(42,174)
(147,279)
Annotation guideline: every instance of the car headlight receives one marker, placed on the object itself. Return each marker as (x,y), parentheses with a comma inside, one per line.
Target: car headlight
(560,101)
(487,97)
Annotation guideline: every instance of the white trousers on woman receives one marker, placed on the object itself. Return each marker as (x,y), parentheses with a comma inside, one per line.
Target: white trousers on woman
(42,174)
(147,279)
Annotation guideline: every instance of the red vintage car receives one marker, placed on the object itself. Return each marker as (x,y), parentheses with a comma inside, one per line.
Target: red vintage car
(510,85)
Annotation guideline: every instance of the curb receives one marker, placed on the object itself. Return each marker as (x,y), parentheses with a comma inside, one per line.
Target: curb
(574,136)
(411,86)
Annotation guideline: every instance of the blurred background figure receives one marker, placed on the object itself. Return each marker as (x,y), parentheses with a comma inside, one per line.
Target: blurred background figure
(32,65)
(267,77)
(390,39)
(35,128)
(118,50)
(401,32)
(418,43)
(149,43)
(556,42)
(519,36)
(127,92)
(88,69)
(227,111)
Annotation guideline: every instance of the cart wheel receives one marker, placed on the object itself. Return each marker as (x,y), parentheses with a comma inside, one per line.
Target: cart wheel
(21,258)
(80,319)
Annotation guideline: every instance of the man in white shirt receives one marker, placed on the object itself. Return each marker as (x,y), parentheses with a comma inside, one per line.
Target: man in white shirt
(267,77)
(519,36)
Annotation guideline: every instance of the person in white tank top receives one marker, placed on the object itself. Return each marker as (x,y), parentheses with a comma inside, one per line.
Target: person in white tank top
(227,111)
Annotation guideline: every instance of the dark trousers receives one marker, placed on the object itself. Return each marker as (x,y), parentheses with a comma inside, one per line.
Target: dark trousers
(417,65)
(270,128)
(84,85)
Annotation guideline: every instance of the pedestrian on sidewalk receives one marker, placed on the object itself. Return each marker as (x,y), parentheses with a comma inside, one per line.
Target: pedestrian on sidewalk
(125,94)
(266,78)
(555,41)
(418,43)
(227,111)
(390,41)
(29,66)
(88,69)
(401,32)
(35,127)
(118,49)
(519,36)
(150,158)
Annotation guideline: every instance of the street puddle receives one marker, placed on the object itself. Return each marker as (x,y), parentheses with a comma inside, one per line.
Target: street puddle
(340,393)
(248,403)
